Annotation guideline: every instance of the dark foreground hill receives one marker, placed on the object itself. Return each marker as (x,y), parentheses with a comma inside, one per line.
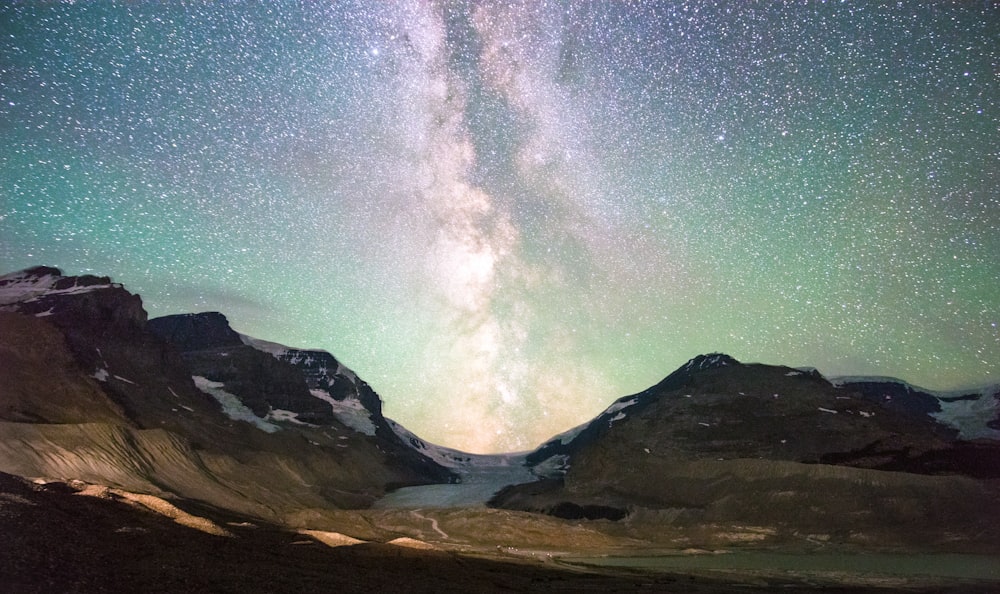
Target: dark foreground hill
(61,537)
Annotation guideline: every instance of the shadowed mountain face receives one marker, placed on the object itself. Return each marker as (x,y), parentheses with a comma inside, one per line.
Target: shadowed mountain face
(974,413)
(278,382)
(715,407)
(718,441)
(89,391)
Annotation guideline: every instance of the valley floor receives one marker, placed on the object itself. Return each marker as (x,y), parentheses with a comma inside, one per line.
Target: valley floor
(57,540)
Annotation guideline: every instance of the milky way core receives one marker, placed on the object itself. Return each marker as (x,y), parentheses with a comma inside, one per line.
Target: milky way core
(505,215)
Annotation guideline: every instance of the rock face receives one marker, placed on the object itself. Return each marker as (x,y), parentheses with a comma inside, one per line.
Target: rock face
(90,390)
(261,382)
(718,441)
(275,381)
(973,413)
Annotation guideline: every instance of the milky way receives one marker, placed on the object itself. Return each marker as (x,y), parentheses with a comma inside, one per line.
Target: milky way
(504,215)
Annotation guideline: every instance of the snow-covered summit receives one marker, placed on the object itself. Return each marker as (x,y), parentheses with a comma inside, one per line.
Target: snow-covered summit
(30,284)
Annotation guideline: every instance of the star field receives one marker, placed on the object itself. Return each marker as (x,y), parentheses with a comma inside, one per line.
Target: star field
(504,215)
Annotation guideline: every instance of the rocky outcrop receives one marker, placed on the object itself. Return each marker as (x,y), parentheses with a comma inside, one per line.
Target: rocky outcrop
(272,379)
(213,350)
(196,332)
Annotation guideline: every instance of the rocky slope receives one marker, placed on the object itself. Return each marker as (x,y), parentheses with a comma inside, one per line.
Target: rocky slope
(89,391)
(278,383)
(722,443)
(973,413)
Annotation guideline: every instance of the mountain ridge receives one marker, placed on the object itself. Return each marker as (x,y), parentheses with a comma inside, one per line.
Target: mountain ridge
(717,453)
(147,424)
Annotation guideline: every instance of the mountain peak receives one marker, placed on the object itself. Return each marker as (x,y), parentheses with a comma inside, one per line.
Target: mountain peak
(28,285)
(38,272)
(197,331)
(710,361)
(71,301)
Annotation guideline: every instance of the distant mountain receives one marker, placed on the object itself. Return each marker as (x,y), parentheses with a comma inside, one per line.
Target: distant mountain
(722,442)
(183,405)
(974,413)
(760,406)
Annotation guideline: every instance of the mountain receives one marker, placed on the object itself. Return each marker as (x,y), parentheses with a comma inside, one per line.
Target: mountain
(213,429)
(783,450)
(184,406)
(974,413)
(279,383)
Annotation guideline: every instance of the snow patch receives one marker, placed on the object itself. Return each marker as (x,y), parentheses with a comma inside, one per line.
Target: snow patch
(19,287)
(101,375)
(827,410)
(341,370)
(331,539)
(552,467)
(349,411)
(970,416)
(296,356)
(286,416)
(567,436)
(231,405)
(620,405)
(271,348)
(841,380)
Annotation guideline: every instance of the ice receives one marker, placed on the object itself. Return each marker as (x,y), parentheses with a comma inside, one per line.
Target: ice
(619,405)
(970,417)
(480,477)
(349,411)
(553,466)
(231,405)
(271,348)
(567,436)
(285,416)
(19,287)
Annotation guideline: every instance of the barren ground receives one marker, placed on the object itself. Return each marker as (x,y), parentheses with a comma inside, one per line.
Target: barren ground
(56,540)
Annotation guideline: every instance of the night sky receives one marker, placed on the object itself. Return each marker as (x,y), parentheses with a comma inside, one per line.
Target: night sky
(503,215)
